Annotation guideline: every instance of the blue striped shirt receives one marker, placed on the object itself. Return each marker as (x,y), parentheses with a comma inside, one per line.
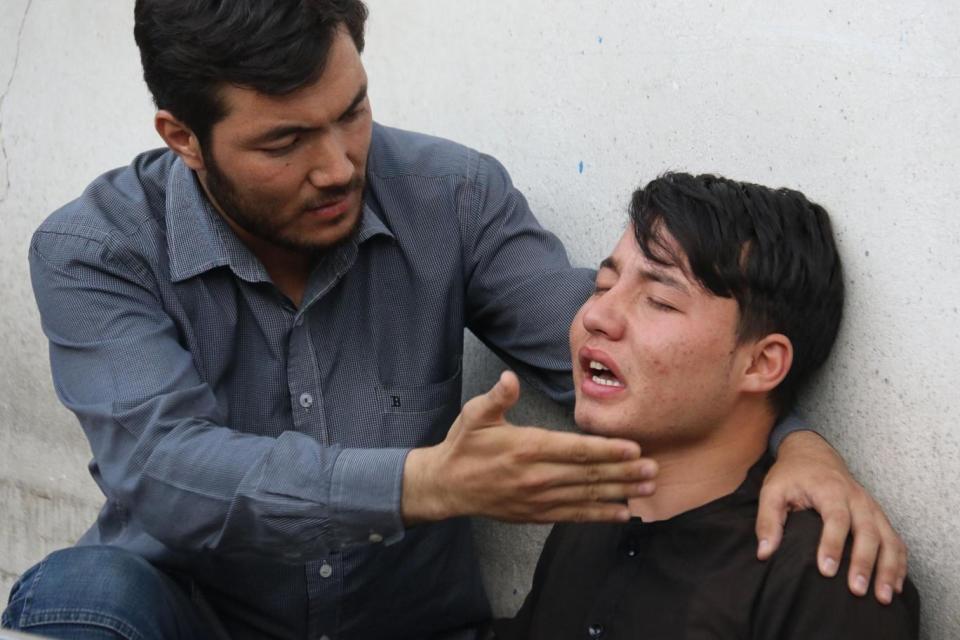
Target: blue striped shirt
(258,447)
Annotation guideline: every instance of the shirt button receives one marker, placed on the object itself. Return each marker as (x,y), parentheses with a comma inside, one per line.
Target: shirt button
(631,552)
(595,630)
(324,637)
(326,570)
(375,538)
(306,400)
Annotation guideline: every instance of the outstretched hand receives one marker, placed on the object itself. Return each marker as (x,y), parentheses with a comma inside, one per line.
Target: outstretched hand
(490,467)
(809,474)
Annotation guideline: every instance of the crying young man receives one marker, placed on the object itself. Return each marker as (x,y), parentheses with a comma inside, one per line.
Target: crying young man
(718,303)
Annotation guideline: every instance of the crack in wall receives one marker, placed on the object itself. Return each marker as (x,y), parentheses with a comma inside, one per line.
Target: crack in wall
(3,96)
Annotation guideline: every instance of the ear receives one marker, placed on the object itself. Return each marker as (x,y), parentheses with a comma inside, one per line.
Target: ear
(179,138)
(770,360)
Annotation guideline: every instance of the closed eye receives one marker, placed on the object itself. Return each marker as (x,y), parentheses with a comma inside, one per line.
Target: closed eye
(659,305)
(282,149)
(352,115)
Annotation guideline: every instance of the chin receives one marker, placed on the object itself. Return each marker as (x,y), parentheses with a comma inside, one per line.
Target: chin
(589,420)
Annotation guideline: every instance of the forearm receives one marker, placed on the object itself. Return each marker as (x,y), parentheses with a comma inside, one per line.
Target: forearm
(790,425)
(197,486)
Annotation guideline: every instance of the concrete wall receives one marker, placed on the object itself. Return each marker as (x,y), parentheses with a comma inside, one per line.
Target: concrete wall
(854,103)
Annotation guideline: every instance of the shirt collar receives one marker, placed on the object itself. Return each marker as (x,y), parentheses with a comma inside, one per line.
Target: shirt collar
(199,239)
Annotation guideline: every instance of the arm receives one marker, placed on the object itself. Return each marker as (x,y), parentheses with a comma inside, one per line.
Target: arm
(810,474)
(522,293)
(161,442)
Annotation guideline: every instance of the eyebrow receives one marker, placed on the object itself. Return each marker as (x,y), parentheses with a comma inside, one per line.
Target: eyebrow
(664,278)
(610,263)
(284,130)
(649,275)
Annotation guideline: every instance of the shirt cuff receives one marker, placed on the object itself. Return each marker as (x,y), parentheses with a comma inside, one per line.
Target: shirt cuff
(365,496)
(790,424)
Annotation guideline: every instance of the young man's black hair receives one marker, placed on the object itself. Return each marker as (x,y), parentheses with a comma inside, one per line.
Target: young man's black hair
(189,48)
(770,249)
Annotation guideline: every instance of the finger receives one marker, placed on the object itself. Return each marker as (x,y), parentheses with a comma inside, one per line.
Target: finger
(586,512)
(836,526)
(891,564)
(866,546)
(599,492)
(490,407)
(771,516)
(552,474)
(632,471)
(904,562)
(575,448)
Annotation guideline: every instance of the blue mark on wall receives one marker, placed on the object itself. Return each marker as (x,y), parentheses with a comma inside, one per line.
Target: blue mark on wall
(580,167)
(600,39)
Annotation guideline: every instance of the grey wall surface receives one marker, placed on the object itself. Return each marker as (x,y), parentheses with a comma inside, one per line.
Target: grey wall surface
(854,103)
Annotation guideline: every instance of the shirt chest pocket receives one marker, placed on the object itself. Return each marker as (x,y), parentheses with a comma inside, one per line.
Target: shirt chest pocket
(415,416)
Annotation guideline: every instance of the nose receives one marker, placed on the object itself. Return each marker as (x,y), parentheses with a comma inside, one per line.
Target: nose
(331,165)
(603,315)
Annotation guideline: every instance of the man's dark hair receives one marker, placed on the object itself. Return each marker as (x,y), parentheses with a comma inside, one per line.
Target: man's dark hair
(770,249)
(191,48)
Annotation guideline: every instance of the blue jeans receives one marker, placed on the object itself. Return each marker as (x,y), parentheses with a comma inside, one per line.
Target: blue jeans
(106,593)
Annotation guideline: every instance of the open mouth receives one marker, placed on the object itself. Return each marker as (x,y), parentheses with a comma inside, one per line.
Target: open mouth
(601,374)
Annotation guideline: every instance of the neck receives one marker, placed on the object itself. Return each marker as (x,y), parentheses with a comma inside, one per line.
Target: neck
(288,269)
(695,473)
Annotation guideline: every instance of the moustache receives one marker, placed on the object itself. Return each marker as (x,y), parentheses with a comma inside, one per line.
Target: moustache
(330,195)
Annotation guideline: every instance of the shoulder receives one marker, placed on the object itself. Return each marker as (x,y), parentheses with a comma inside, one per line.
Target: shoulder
(414,176)
(397,153)
(119,201)
(112,212)
(797,599)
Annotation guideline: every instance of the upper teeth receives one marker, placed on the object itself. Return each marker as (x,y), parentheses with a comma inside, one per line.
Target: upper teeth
(610,381)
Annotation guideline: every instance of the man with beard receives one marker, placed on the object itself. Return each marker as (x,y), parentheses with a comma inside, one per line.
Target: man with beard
(260,329)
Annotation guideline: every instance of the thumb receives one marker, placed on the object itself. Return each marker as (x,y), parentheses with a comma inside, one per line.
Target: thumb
(491,407)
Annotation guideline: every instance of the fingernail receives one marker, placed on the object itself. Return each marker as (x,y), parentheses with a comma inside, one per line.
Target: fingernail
(830,567)
(763,548)
(886,594)
(860,585)
(645,488)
